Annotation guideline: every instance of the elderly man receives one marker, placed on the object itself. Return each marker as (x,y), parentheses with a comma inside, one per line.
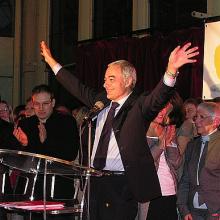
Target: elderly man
(199,189)
(120,149)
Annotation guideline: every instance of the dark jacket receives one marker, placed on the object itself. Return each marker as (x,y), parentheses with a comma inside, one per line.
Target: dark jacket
(62,136)
(62,142)
(7,142)
(209,176)
(7,139)
(129,126)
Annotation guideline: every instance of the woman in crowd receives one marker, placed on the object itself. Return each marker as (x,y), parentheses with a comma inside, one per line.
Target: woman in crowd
(161,137)
(6,112)
(187,130)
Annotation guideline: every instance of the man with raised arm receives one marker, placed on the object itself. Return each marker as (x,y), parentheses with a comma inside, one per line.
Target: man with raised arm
(120,149)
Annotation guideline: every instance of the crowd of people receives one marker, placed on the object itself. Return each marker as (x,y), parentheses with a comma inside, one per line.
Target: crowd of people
(159,156)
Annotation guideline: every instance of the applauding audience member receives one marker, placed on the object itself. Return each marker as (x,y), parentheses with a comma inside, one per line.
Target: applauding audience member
(6,111)
(188,129)
(52,134)
(47,132)
(161,137)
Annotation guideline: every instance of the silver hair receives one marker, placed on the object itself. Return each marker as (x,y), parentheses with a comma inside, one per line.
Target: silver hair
(212,108)
(127,69)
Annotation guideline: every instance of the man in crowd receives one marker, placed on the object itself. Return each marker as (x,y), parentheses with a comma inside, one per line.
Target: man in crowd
(51,134)
(48,132)
(120,148)
(199,188)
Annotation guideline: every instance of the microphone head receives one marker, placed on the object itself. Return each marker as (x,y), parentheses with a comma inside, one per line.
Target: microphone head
(99,105)
(96,108)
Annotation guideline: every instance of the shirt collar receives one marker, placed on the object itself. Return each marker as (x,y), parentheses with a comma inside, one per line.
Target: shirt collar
(123,100)
(207,137)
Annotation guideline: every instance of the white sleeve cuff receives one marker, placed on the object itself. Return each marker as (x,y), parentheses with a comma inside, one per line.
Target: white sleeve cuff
(169,81)
(56,68)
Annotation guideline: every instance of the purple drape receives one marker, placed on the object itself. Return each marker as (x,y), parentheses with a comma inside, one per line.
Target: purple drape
(148,54)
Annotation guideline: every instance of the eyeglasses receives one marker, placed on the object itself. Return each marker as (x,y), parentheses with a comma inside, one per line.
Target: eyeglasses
(4,110)
(38,105)
(201,118)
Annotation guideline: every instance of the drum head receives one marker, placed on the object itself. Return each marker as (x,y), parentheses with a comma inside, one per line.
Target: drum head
(35,163)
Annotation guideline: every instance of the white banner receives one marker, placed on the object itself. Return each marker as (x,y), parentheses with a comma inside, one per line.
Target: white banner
(211,64)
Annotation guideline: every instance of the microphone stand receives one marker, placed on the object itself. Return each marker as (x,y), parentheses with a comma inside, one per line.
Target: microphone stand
(89,142)
(87,123)
(89,166)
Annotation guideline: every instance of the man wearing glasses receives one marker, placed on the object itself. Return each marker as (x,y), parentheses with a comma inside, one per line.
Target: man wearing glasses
(199,188)
(51,134)
(48,132)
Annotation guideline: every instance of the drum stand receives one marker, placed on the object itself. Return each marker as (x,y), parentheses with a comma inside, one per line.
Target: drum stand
(82,203)
(40,164)
(44,190)
(35,179)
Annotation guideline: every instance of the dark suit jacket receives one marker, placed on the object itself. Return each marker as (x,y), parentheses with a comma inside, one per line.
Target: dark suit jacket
(130,126)
(209,176)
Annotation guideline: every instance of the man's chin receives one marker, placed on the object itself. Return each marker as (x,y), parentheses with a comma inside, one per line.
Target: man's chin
(200,132)
(42,117)
(109,97)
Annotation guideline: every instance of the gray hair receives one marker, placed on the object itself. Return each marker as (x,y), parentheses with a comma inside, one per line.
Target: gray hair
(212,108)
(127,69)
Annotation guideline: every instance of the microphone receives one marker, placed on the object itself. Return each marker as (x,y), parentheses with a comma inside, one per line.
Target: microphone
(92,112)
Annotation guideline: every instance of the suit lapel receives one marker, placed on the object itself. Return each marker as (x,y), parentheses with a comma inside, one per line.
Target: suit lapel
(122,114)
(127,105)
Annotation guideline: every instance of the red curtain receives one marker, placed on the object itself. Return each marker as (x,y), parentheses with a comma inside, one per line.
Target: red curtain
(148,54)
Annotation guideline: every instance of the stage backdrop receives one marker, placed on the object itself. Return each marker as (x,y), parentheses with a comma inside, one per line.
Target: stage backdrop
(211,65)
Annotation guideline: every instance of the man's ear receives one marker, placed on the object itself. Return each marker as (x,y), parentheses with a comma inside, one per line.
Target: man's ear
(53,102)
(128,82)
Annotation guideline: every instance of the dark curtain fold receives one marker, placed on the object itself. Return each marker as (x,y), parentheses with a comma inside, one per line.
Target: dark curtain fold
(148,54)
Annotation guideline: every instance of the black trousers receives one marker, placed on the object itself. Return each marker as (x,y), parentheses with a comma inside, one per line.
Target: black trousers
(163,208)
(111,199)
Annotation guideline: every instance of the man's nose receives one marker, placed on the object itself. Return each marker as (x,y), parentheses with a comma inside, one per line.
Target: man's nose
(197,120)
(105,84)
(41,106)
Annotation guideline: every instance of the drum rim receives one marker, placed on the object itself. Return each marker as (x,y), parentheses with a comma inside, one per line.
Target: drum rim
(87,170)
(41,156)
